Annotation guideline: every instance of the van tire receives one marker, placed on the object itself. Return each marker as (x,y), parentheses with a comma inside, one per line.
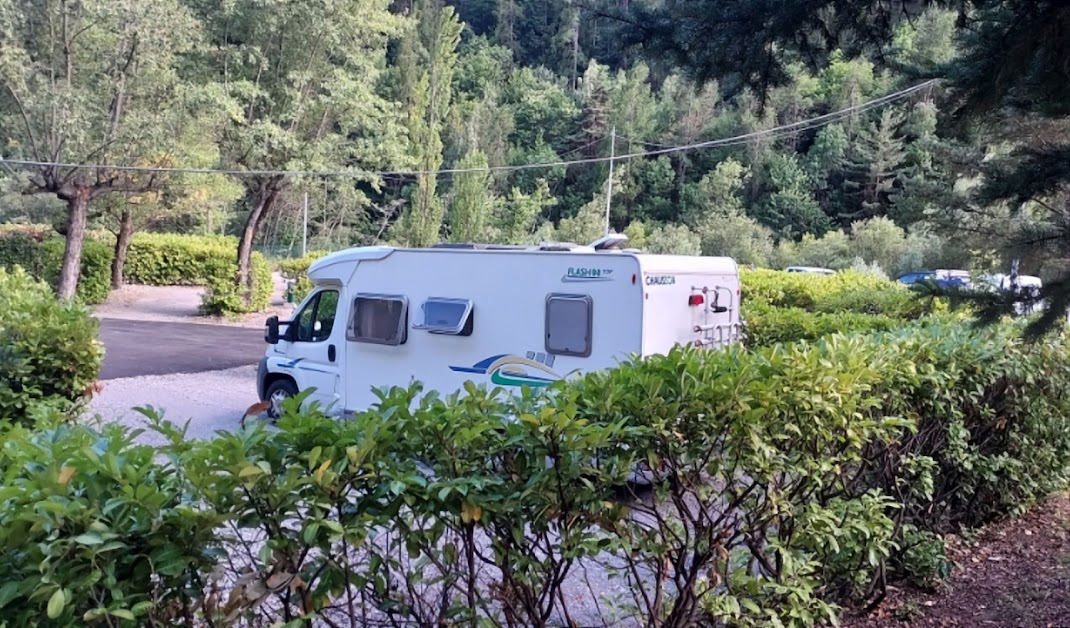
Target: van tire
(278,390)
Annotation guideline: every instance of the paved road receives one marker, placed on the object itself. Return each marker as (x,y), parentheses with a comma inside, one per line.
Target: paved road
(136,348)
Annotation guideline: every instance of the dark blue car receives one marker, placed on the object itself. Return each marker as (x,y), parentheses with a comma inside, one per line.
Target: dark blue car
(941,279)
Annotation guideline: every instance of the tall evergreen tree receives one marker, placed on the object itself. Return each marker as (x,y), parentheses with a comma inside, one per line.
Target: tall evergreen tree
(429,101)
(789,207)
(470,206)
(875,161)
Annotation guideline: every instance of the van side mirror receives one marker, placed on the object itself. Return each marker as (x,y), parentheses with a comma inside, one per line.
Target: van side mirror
(272,334)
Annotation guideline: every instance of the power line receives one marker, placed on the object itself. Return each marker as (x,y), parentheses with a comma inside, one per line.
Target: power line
(775,132)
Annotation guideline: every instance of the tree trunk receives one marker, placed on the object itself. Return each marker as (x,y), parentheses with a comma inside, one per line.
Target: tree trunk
(122,243)
(263,200)
(77,212)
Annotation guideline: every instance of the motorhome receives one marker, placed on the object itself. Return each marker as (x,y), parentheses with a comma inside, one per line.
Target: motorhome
(494,315)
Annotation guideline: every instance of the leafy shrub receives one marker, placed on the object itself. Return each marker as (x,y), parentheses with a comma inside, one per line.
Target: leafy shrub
(800,474)
(223,297)
(991,413)
(95,531)
(921,558)
(49,352)
(41,254)
(296,270)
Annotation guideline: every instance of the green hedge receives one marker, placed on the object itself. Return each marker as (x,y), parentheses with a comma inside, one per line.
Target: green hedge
(784,307)
(49,352)
(222,297)
(296,270)
(766,325)
(42,257)
(802,473)
(169,259)
(157,259)
(846,291)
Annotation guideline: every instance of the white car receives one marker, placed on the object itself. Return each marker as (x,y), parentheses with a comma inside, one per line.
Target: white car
(815,270)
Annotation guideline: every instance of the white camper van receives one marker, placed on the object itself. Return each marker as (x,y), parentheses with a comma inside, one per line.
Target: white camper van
(493,315)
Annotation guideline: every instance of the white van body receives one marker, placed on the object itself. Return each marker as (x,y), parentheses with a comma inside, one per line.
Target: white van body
(496,316)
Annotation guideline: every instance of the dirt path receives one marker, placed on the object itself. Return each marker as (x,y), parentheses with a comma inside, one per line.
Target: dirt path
(1015,574)
(181,304)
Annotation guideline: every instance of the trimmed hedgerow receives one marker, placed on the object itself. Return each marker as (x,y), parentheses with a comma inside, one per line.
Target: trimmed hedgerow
(41,254)
(49,352)
(157,259)
(767,325)
(846,291)
(171,259)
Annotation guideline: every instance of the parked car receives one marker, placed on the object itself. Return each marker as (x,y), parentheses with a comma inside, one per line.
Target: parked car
(913,278)
(810,269)
(943,278)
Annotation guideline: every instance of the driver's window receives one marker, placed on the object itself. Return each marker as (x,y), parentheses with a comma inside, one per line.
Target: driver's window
(316,320)
(328,305)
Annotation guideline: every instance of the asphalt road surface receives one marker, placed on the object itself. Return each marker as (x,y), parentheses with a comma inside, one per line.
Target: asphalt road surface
(134,348)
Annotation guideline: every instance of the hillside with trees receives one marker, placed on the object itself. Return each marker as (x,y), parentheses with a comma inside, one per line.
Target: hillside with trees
(393,99)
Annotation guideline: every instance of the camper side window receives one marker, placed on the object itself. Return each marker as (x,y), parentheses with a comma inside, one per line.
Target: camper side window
(568,324)
(447,316)
(379,319)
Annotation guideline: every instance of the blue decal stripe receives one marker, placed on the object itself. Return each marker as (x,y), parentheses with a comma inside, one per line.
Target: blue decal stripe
(464,369)
(483,364)
(308,368)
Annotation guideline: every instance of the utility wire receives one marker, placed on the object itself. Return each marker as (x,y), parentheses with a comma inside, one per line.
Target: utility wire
(775,132)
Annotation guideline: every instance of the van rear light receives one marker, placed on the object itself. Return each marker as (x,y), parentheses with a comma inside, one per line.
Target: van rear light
(695,299)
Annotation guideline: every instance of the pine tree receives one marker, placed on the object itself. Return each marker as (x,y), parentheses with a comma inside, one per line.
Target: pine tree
(788,206)
(875,161)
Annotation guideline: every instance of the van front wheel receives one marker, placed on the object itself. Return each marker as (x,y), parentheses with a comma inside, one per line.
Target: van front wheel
(276,392)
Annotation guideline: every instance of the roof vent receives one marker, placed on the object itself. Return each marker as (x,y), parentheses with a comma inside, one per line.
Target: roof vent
(558,246)
(610,242)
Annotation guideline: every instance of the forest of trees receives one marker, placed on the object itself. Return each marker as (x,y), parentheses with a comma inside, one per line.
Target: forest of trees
(359,86)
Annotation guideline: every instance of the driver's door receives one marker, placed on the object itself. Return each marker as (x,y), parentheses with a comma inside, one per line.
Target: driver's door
(313,349)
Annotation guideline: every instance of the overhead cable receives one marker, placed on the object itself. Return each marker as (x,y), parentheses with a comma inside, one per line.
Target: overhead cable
(772,133)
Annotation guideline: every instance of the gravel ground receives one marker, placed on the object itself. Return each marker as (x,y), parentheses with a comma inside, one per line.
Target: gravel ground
(211,401)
